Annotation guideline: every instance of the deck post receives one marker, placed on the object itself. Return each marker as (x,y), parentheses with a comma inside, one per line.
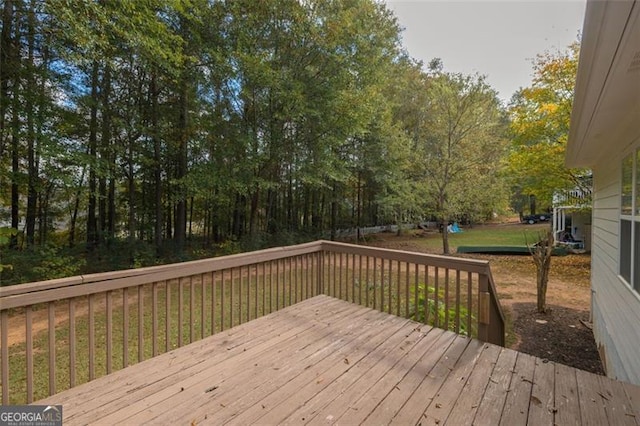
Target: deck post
(484,315)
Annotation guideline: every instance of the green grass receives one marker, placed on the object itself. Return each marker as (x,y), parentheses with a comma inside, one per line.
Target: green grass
(507,235)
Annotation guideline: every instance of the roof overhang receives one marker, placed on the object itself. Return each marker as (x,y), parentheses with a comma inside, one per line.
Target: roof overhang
(606,108)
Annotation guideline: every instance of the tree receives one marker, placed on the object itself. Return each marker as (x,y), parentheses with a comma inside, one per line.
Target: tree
(459,144)
(540,116)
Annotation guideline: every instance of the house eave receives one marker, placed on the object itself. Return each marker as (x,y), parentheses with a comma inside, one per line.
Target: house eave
(606,108)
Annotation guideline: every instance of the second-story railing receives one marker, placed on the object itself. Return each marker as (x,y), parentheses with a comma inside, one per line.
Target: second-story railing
(57,334)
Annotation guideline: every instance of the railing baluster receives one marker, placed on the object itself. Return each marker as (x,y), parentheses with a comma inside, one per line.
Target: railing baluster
(426,294)
(109,307)
(304,276)
(222,300)
(270,286)
(382,285)
(353,278)
(264,288)
(72,342)
(293,283)
(469,303)
(167,315)
(203,306)
(231,307)
(335,268)
(257,280)
(457,301)
(52,347)
(4,336)
(278,284)
(446,298)
(92,344)
(180,307)
(398,288)
(415,291)
(436,297)
(367,282)
(340,276)
(140,323)
(406,291)
(240,299)
(213,302)
(125,327)
(154,319)
(375,278)
(248,293)
(29,349)
(192,310)
(359,279)
(390,286)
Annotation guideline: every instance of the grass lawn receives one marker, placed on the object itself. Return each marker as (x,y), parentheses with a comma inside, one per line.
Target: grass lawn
(486,235)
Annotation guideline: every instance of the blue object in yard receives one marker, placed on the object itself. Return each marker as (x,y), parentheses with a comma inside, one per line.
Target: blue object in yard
(455,228)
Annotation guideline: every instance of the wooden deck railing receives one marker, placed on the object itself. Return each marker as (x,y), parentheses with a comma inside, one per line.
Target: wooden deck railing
(57,334)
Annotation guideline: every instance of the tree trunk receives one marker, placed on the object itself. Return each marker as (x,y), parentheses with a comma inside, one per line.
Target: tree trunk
(180,227)
(92,234)
(541,254)
(32,169)
(105,152)
(157,166)
(15,130)
(5,66)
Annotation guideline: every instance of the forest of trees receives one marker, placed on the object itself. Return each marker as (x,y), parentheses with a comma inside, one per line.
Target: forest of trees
(154,129)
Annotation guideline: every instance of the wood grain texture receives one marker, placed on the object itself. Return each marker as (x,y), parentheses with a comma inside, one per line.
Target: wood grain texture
(327,361)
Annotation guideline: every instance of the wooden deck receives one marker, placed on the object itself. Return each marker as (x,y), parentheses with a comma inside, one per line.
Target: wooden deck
(328,361)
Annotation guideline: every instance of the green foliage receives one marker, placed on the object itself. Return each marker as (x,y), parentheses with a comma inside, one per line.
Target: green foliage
(459,142)
(438,310)
(146,131)
(540,116)
(5,235)
(54,264)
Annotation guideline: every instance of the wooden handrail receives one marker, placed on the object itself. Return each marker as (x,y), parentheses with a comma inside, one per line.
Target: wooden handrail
(394,281)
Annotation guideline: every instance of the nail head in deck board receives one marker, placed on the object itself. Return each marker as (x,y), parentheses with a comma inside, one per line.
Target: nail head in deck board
(176,381)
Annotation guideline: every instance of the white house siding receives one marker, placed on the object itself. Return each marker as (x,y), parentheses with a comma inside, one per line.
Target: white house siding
(615,306)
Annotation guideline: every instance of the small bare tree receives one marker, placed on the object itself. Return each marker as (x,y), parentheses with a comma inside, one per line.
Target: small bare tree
(541,253)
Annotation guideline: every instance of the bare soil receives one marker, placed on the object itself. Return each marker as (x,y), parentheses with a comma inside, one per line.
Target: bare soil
(563,333)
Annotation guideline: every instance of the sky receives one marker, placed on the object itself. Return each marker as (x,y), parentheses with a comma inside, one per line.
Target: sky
(498,38)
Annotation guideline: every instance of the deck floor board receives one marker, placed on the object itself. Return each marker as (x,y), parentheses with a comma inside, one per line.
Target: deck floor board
(325,361)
